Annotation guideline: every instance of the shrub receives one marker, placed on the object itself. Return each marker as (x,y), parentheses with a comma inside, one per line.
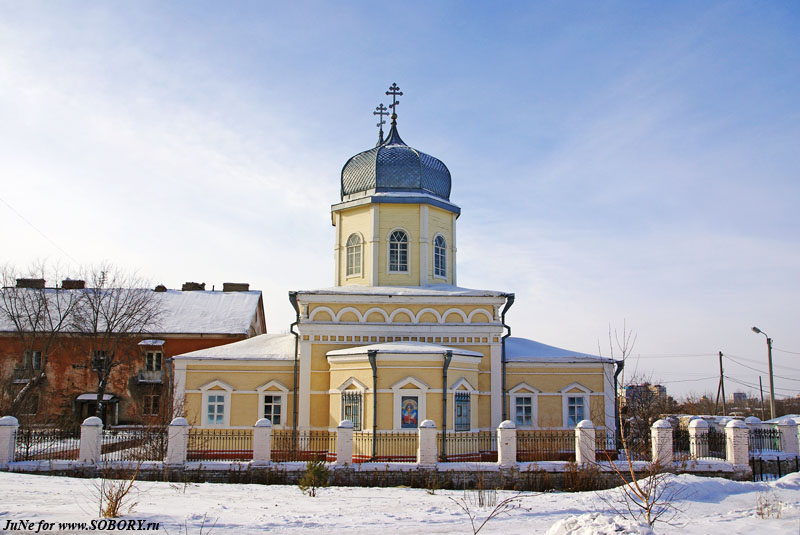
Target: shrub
(315,476)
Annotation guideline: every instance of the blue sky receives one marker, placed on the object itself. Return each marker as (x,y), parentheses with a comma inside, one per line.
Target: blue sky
(612,160)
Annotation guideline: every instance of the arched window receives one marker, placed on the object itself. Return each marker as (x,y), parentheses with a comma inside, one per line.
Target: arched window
(354,255)
(398,252)
(439,257)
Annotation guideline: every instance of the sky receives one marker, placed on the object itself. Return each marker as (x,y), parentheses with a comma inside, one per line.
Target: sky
(617,164)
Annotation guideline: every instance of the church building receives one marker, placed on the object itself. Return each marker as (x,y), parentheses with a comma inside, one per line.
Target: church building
(396,341)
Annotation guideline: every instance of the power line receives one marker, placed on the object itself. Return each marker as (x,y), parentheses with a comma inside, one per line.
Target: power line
(37,230)
(786,351)
(759,388)
(762,371)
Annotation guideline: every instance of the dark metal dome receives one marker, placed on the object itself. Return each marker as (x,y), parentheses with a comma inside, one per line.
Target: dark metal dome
(394,166)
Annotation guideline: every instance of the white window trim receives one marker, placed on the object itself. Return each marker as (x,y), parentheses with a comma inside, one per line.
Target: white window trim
(282,391)
(398,392)
(360,272)
(433,244)
(473,402)
(389,252)
(361,388)
(524,390)
(566,394)
(215,388)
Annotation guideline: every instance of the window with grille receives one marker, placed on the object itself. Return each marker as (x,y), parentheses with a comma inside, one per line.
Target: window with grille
(153,361)
(354,255)
(151,405)
(272,409)
(215,409)
(439,257)
(523,411)
(398,252)
(463,411)
(351,408)
(575,410)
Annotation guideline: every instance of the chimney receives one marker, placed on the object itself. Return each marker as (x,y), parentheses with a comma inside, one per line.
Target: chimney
(69,284)
(235,286)
(160,288)
(193,286)
(30,283)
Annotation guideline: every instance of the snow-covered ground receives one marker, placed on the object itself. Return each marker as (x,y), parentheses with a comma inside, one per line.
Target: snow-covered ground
(708,505)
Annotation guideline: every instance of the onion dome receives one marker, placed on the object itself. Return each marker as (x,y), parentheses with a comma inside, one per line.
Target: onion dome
(393,166)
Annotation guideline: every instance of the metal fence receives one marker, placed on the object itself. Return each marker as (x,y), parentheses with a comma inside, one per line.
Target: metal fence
(219,445)
(134,444)
(543,445)
(391,446)
(764,440)
(288,445)
(474,446)
(605,446)
(47,444)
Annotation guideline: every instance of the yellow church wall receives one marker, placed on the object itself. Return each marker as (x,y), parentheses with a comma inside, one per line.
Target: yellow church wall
(356,220)
(415,309)
(244,409)
(192,404)
(250,380)
(550,411)
(555,379)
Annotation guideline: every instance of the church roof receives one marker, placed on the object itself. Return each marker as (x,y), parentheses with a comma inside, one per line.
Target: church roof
(525,350)
(261,347)
(394,166)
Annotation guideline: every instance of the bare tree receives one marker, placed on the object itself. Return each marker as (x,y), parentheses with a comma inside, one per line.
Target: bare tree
(643,494)
(37,316)
(114,310)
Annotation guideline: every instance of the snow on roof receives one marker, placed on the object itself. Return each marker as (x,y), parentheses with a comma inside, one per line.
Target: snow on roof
(195,312)
(525,350)
(434,290)
(261,347)
(404,347)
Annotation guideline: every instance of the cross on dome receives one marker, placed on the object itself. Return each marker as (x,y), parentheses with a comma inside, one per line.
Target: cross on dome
(380,110)
(394,92)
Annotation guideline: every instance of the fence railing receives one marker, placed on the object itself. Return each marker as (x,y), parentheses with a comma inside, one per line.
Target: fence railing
(390,446)
(764,440)
(466,446)
(543,445)
(288,445)
(133,444)
(219,445)
(47,444)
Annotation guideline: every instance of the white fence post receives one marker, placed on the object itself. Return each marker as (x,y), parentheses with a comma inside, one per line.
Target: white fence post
(344,443)
(585,446)
(178,436)
(8,439)
(91,440)
(736,443)
(788,430)
(698,438)
(661,438)
(427,454)
(262,441)
(507,444)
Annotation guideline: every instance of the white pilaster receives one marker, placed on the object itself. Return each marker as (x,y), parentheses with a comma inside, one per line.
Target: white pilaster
(91,440)
(453,269)
(737,447)
(661,441)
(177,437)
(585,449)
(507,444)
(8,438)
(344,443)
(698,438)
(304,386)
(179,388)
(427,454)
(337,222)
(375,241)
(423,245)
(262,441)
(496,366)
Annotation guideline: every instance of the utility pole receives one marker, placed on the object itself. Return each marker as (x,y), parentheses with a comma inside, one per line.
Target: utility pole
(761,387)
(721,386)
(771,382)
